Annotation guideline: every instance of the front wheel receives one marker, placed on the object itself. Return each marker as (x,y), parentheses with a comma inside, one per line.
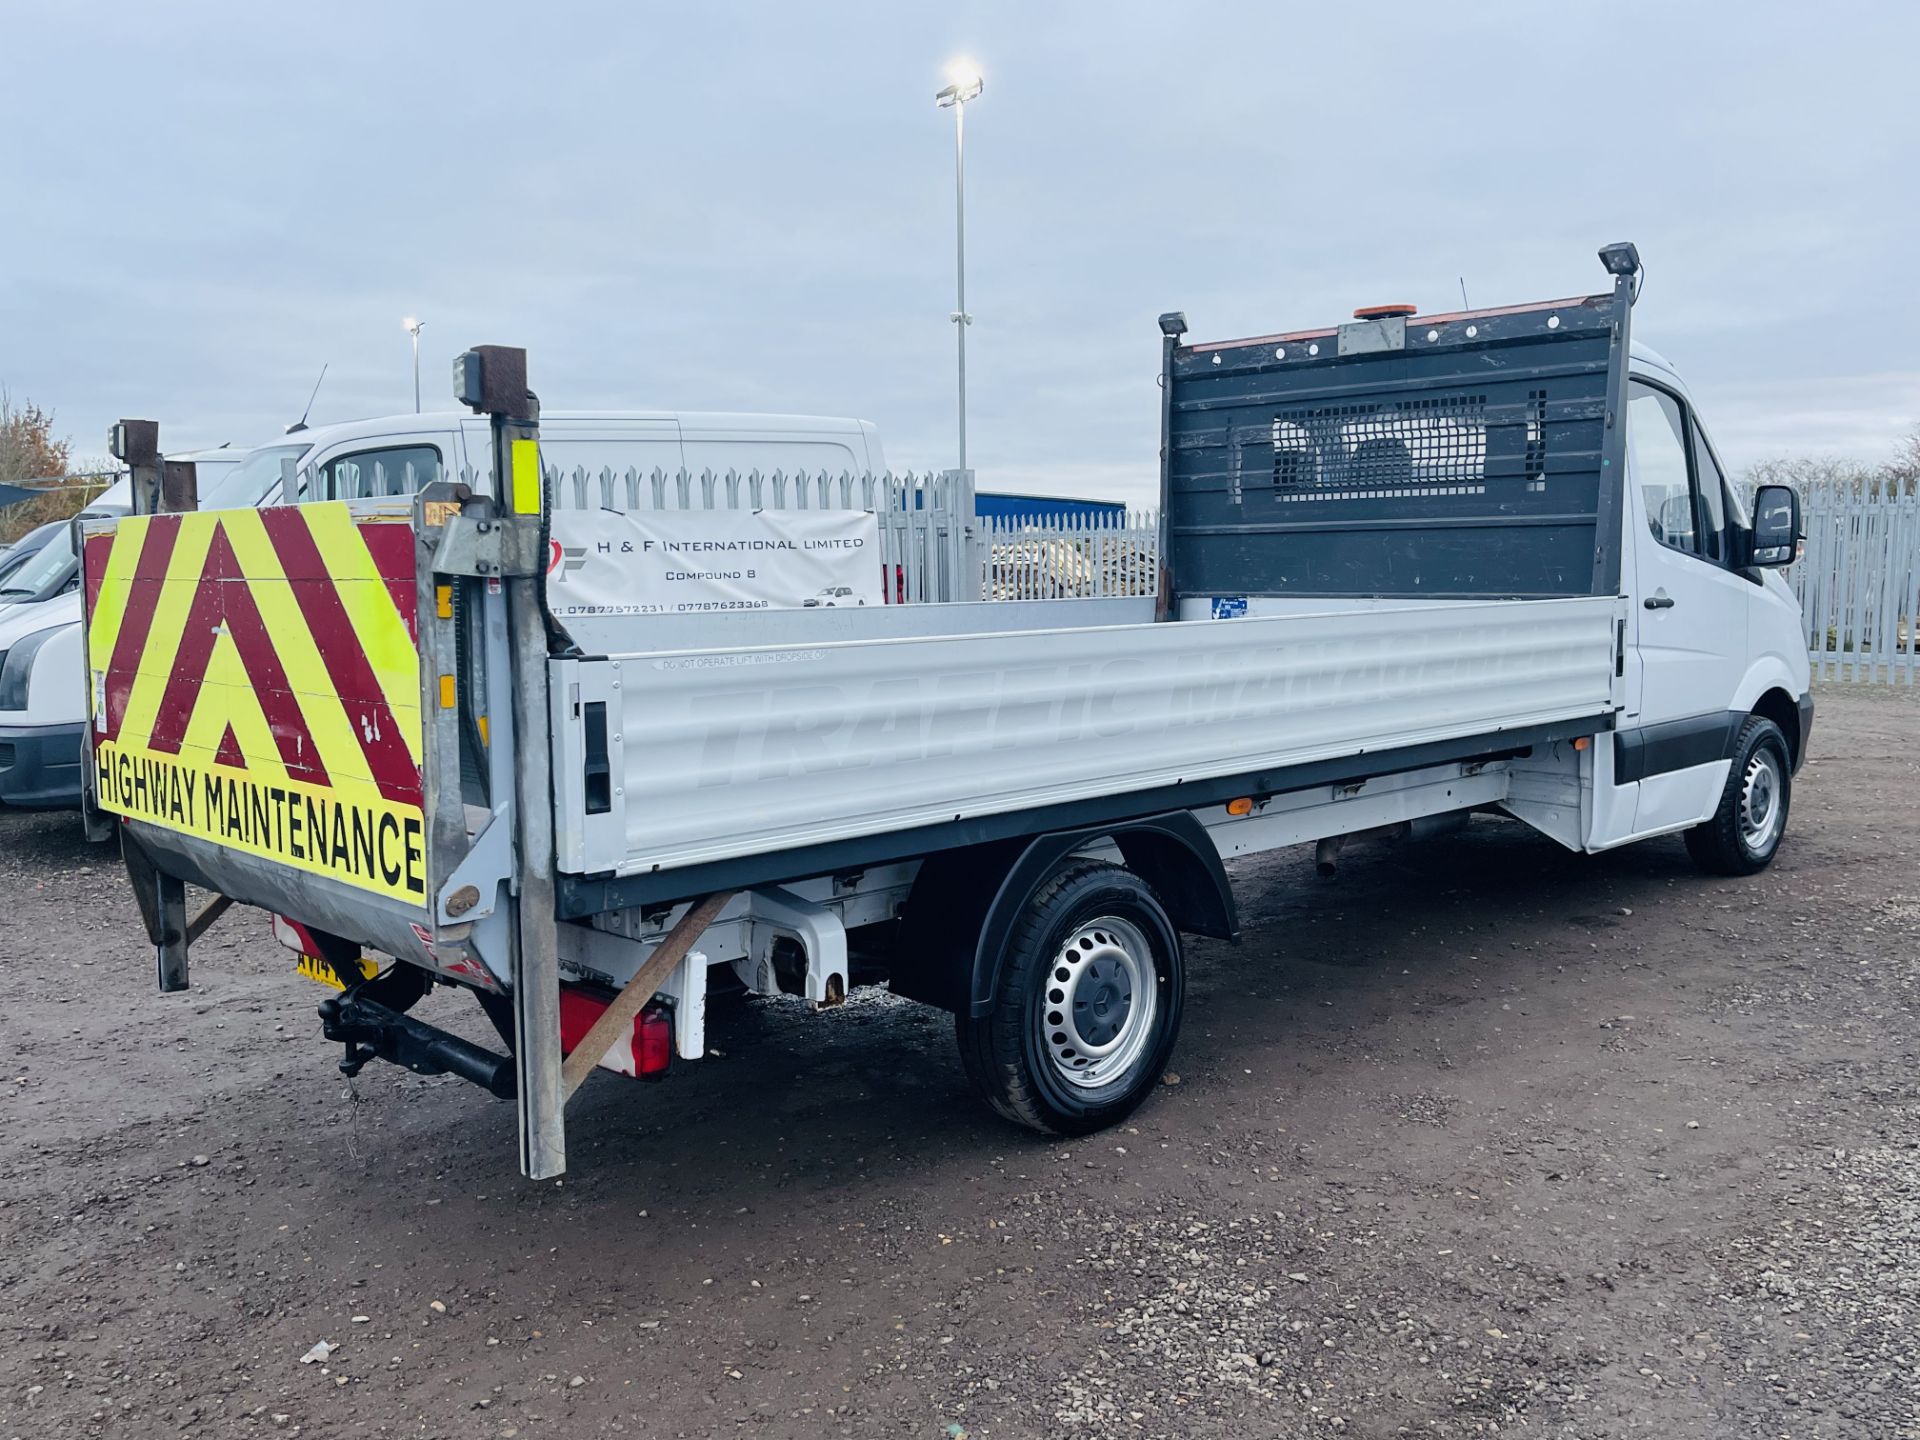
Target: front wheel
(1088,1004)
(1744,833)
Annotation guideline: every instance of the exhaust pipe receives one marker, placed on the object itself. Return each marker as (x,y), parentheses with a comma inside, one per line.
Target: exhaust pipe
(1326,853)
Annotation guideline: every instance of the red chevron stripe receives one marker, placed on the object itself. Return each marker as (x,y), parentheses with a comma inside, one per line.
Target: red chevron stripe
(391,546)
(93,566)
(223,600)
(143,598)
(228,751)
(374,725)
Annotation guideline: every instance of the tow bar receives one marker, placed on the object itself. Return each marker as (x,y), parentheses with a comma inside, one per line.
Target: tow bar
(373,1031)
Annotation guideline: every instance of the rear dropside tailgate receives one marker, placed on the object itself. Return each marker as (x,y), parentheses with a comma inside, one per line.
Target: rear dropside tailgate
(254,699)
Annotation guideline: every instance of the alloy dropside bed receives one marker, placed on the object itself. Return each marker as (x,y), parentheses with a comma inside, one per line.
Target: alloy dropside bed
(1389,559)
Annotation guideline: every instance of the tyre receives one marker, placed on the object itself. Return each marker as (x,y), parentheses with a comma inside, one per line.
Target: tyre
(1744,833)
(1088,1004)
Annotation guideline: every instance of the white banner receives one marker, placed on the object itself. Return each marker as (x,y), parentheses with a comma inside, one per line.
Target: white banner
(678,562)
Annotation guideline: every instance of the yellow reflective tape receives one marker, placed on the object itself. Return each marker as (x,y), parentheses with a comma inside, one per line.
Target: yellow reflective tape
(446,692)
(526,477)
(483,730)
(443,601)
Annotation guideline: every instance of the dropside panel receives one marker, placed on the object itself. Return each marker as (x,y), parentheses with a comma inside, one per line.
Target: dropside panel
(716,754)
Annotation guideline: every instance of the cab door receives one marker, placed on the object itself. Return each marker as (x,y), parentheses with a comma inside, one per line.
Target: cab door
(1689,617)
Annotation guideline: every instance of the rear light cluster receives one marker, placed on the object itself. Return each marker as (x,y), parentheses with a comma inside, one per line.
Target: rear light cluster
(653,1040)
(647,1053)
(649,1050)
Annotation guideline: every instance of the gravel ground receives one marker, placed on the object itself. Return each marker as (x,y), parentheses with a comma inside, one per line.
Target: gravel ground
(1478,1138)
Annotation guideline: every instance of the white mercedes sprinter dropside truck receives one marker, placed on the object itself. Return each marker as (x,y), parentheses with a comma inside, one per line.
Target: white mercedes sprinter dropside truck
(1411,568)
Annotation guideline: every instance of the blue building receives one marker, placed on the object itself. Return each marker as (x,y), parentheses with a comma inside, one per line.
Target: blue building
(1039,509)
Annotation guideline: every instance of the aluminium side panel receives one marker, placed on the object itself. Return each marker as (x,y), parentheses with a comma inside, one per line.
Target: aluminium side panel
(723,753)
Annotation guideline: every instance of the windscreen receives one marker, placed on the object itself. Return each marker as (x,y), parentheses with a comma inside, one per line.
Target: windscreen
(44,572)
(249,482)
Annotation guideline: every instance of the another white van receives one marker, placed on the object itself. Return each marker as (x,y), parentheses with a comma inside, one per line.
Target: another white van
(399,454)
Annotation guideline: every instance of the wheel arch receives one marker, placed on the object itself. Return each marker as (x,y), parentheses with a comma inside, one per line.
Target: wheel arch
(965,903)
(1782,709)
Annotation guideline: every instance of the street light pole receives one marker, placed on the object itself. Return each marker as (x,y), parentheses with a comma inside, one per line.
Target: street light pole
(967,85)
(960,317)
(413,328)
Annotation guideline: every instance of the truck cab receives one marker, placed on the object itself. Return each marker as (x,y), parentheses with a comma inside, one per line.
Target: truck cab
(1713,638)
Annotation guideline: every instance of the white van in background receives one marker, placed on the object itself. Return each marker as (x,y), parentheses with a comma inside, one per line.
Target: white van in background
(400,453)
(42,702)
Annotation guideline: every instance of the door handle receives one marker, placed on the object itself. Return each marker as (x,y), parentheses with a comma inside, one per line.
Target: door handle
(1660,601)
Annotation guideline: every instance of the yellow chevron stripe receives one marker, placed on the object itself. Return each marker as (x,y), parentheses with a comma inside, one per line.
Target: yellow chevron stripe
(103,625)
(377,622)
(227,698)
(325,714)
(184,568)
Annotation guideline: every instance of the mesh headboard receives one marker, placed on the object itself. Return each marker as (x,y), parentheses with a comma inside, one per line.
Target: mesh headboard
(1452,456)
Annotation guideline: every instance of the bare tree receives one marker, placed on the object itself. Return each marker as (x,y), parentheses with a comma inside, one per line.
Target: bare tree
(28,447)
(29,450)
(1898,475)
(1905,467)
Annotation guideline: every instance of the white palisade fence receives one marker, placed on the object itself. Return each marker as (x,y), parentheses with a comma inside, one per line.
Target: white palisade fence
(1859,584)
(925,546)
(932,546)
(1074,556)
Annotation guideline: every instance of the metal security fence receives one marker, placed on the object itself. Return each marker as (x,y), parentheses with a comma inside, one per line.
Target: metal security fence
(1859,584)
(1077,556)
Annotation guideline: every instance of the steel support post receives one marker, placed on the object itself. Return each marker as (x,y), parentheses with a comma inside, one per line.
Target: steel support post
(520,493)
(170,954)
(1172,326)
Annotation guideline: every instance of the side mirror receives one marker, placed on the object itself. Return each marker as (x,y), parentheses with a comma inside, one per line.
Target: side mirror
(1775,539)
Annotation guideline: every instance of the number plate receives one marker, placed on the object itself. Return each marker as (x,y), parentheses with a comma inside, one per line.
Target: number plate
(322,973)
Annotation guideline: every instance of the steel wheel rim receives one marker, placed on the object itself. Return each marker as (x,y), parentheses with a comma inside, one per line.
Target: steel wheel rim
(1096,1014)
(1760,795)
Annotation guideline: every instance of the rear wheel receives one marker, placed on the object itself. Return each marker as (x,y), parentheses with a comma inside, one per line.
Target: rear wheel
(1744,834)
(1088,1004)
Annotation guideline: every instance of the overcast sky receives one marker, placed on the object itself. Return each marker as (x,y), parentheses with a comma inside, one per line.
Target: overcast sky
(750,206)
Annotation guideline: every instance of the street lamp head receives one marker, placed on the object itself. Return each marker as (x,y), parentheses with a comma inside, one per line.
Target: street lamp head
(964,83)
(413,327)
